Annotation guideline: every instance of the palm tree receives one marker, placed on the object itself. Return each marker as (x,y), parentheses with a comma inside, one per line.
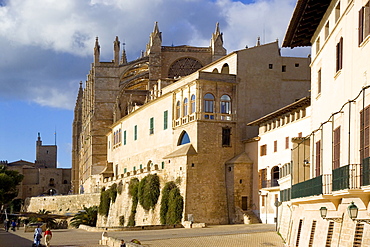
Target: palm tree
(87,216)
(42,216)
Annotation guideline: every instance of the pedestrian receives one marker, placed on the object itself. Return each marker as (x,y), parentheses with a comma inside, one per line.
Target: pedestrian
(14,224)
(37,236)
(18,223)
(48,235)
(6,225)
(123,243)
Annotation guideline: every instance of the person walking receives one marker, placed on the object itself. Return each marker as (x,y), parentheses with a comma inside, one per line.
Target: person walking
(48,235)
(14,224)
(37,236)
(123,243)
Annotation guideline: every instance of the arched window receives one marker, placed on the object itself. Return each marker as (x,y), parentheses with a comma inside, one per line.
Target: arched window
(192,103)
(209,100)
(215,71)
(184,138)
(185,111)
(51,182)
(177,109)
(225,104)
(225,69)
(274,176)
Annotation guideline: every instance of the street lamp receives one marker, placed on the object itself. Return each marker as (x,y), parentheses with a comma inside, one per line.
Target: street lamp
(323,212)
(352,211)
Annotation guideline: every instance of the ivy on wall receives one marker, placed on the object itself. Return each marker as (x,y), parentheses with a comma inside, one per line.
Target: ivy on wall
(149,191)
(106,197)
(133,192)
(172,204)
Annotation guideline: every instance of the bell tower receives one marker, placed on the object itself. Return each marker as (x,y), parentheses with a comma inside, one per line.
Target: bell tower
(217,43)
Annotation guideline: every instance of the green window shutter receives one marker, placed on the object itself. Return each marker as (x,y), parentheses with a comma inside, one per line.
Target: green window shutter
(165,120)
(124,170)
(124,137)
(162,164)
(135,132)
(141,166)
(151,129)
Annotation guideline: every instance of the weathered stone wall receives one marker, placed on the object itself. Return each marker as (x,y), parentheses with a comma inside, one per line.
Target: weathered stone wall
(61,204)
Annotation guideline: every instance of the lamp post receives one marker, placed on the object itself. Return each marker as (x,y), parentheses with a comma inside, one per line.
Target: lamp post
(324,213)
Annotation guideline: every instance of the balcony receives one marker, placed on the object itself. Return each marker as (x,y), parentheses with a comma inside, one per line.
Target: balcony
(311,187)
(347,177)
(270,183)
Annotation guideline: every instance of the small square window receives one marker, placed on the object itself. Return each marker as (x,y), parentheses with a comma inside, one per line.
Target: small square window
(270,66)
(296,65)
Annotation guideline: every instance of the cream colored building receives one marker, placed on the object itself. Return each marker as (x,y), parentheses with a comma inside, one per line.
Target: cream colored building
(339,138)
(279,133)
(193,128)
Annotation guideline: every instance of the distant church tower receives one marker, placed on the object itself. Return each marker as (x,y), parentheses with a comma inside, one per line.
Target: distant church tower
(46,155)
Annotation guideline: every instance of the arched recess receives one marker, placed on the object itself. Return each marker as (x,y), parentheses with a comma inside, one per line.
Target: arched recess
(225,69)
(148,165)
(183,67)
(215,71)
(184,138)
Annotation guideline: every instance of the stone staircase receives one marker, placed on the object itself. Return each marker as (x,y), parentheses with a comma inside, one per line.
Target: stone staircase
(250,217)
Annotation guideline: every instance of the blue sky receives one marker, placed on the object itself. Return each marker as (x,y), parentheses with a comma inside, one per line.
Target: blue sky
(46,49)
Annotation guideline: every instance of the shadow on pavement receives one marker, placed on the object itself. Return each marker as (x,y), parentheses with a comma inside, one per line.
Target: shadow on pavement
(8,239)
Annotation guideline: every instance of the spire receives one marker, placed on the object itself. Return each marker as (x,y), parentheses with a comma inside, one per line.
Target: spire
(155,41)
(217,43)
(38,142)
(258,41)
(123,56)
(97,51)
(116,50)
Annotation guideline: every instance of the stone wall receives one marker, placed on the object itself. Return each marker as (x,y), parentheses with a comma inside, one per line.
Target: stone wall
(61,204)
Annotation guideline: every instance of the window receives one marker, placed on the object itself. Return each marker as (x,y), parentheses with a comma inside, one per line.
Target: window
(363,23)
(263,150)
(319,81)
(275,174)
(124,137)
(178,109)
(336,148)
(192,102)
(225,69)
(165,120)
(162,164)
(364,133)
(337,12)
(208,102)
(283,68)
(339,55)
(244,203)
(184,138)
(185,110)
(151,128)
(226,134)
(262,174)
(318,158)
(296,65)
(135,132)
(287,142)
(327,30)
(318,45)
(225,104)
(270,66)
(275,146)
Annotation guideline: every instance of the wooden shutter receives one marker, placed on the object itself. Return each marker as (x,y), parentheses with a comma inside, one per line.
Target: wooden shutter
(318,158)
(336,148)
(361,25)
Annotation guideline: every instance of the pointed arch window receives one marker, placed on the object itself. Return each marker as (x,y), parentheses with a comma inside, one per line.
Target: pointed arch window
(225,104)
(184,139)
(275,176)
(209,101)
(185,110)
(225,69)
(192,102)
(178,109)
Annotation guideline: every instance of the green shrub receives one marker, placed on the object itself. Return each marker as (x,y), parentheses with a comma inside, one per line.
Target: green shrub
(104,203)
(149,191)
(133,192)
(122,220)
(113,192)
(120,187)
(172,204)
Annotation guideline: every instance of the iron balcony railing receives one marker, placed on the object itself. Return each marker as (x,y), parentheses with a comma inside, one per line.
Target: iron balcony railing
(311,187)
(270,183)
(347,177)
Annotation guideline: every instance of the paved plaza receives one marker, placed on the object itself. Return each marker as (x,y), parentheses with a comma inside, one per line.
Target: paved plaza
(222,236)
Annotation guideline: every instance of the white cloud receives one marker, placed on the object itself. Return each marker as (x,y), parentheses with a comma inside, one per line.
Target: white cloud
(47,45)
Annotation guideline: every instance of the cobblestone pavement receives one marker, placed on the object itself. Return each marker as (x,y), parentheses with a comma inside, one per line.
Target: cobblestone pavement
(220,236)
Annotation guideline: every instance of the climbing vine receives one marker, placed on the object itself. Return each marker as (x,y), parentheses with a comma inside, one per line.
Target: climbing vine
(149,191)
(106,197)
(133,192)
(172,204)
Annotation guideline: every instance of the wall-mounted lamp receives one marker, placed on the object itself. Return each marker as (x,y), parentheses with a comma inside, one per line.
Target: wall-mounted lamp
(324,213)
(353,212)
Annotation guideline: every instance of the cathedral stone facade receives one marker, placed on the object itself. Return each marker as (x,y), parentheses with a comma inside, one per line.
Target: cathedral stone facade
(181,113)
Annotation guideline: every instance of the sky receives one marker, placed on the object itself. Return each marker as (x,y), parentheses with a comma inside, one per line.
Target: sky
(46,49)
